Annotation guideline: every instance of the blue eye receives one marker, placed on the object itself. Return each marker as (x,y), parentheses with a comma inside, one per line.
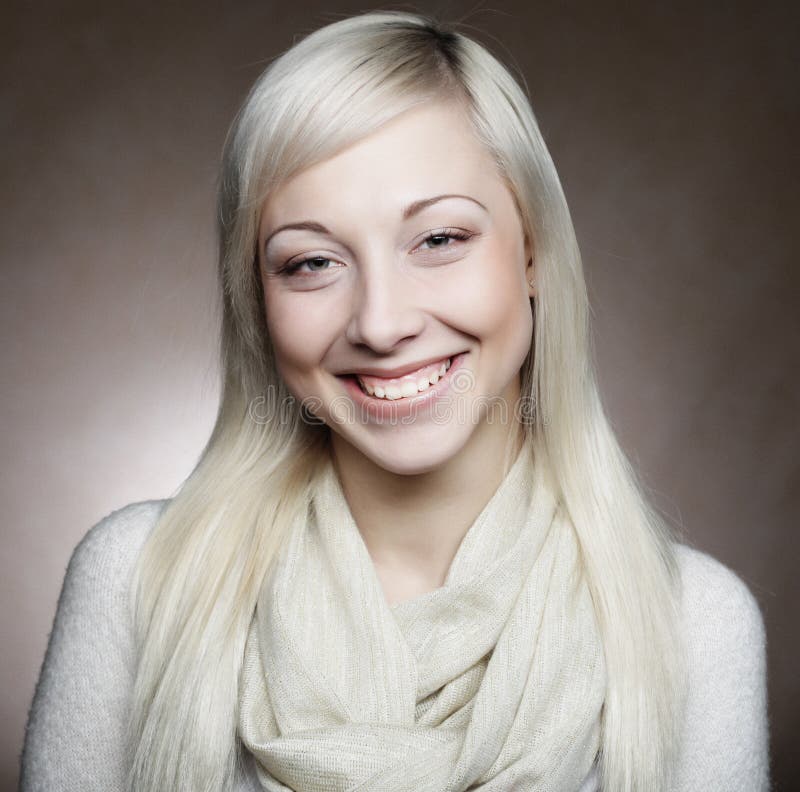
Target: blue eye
(448,233)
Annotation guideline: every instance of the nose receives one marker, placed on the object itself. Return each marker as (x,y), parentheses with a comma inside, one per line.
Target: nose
(385,307)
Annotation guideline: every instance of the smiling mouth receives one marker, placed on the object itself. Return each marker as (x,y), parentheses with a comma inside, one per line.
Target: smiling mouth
(403,387)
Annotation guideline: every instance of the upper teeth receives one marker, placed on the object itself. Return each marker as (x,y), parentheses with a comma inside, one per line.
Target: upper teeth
(408,387)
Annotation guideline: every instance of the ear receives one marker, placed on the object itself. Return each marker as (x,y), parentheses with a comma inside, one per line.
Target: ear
(530,270)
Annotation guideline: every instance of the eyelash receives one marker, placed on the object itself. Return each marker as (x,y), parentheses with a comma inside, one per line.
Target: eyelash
(289,270)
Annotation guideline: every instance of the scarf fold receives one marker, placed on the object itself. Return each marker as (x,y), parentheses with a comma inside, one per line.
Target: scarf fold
(494,681)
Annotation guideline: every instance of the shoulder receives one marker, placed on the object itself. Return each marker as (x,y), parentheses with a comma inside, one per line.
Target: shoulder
(100,566)
(93,616)
(725,732)
(78,714)
(119,534)
(719,609)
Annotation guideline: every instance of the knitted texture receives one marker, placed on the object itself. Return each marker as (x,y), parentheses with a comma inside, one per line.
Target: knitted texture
(73,739)
(493,681)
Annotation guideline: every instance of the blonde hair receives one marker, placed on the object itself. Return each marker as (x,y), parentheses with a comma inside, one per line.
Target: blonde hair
(201,568)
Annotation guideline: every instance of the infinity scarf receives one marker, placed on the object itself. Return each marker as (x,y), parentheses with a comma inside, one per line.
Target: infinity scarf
(495,681)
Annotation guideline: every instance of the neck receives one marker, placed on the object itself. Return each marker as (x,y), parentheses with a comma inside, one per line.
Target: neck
(412,525)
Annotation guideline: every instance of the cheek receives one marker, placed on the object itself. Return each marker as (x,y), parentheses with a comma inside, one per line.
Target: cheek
(493,298)
(297,332)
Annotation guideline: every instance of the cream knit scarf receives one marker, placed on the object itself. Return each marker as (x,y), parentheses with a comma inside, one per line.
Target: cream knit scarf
(494,681)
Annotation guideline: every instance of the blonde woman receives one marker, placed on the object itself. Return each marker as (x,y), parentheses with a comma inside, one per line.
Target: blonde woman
(412,555)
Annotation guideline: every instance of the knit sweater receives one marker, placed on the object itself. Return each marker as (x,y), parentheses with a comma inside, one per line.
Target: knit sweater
(74,735)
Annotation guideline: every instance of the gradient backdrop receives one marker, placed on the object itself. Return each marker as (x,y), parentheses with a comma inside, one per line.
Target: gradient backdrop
(675,133)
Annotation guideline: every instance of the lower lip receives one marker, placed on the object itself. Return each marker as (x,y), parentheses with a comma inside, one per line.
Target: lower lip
(386,409)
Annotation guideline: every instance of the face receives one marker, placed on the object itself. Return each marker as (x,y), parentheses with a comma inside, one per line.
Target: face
(396,288)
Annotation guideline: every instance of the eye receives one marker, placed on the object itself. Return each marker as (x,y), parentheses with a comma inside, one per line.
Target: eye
(442,240)
(314,263)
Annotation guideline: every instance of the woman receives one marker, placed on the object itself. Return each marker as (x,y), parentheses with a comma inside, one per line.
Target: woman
(412,555)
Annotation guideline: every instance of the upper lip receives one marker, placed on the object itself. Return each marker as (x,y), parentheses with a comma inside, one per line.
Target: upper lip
(398,371)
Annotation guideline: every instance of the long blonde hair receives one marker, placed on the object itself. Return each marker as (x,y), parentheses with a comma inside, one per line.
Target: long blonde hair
(199,573)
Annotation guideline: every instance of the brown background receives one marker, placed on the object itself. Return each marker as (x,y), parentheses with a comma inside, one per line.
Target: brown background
(675,131)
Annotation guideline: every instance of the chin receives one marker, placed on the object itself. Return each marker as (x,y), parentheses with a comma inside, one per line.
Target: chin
(406,452)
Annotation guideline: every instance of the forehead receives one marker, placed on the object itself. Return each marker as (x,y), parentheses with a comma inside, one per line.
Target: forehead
(426,150)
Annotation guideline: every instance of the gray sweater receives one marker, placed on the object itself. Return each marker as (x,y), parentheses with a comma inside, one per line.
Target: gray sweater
(74,736)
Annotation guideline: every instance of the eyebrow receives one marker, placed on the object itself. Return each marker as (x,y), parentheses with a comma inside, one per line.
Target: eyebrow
(412,209)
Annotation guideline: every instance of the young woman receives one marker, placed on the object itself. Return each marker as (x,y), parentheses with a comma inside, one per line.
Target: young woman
(412,555)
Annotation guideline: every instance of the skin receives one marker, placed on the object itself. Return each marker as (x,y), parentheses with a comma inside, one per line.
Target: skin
(378,294)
